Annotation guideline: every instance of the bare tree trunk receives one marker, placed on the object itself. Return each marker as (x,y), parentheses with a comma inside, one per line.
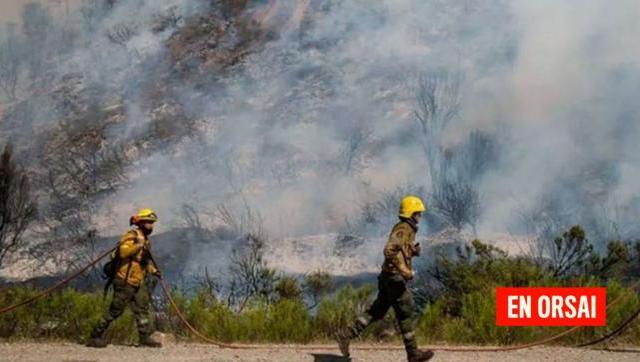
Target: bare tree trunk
(17,206)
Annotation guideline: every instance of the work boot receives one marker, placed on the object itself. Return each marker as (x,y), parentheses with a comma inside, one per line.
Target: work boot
(343,343)
(97,338)
(345,336)
(97,342)
(419,355)
(149,341)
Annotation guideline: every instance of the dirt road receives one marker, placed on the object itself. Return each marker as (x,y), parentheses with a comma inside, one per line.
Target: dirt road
(67,352)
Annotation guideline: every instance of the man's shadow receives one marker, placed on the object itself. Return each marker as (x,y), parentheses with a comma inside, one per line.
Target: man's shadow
(323,357)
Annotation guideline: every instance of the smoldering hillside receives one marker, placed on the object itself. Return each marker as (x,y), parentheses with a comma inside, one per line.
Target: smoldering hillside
(291,119)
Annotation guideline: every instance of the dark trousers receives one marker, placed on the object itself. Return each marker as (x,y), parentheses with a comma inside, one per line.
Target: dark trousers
(392,293)
(126,295)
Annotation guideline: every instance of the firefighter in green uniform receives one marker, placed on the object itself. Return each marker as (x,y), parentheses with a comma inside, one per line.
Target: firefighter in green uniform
(133,263)
(392,283)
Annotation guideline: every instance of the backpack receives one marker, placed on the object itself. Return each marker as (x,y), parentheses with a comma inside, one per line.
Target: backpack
(110,269)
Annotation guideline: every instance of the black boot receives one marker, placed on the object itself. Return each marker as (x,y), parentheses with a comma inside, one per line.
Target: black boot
(344,339)
(97,338)
(148,341)
(345,336)
(97,343)
(418,355)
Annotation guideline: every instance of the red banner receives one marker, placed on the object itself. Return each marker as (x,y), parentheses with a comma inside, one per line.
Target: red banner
(551,306)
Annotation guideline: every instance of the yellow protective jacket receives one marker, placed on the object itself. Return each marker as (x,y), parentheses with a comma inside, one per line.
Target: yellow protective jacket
(400,249)
(135,262)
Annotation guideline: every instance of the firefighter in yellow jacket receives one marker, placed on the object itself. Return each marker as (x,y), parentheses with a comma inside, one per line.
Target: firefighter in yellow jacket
(392,283)
(133,263)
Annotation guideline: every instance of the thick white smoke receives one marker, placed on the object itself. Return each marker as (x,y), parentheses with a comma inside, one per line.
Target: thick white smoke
(554,82)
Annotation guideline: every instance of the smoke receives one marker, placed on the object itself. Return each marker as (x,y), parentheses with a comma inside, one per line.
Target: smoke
(323,114)
(318,117)
(568,106)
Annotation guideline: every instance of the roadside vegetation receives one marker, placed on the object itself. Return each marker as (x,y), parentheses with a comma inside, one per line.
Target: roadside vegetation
(269,307)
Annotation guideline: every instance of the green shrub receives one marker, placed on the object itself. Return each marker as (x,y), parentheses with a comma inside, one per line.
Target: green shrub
(70,315)
(336,313)
(464,313)
(67,314)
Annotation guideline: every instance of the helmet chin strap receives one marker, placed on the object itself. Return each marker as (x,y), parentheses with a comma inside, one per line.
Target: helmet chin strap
(145,230)
(411,221)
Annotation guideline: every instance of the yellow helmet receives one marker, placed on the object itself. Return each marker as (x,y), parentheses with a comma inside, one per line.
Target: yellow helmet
(147,215)
(409,205)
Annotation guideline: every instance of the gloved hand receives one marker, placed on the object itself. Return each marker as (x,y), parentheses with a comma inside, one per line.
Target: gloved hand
(417,249)
(408,276)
